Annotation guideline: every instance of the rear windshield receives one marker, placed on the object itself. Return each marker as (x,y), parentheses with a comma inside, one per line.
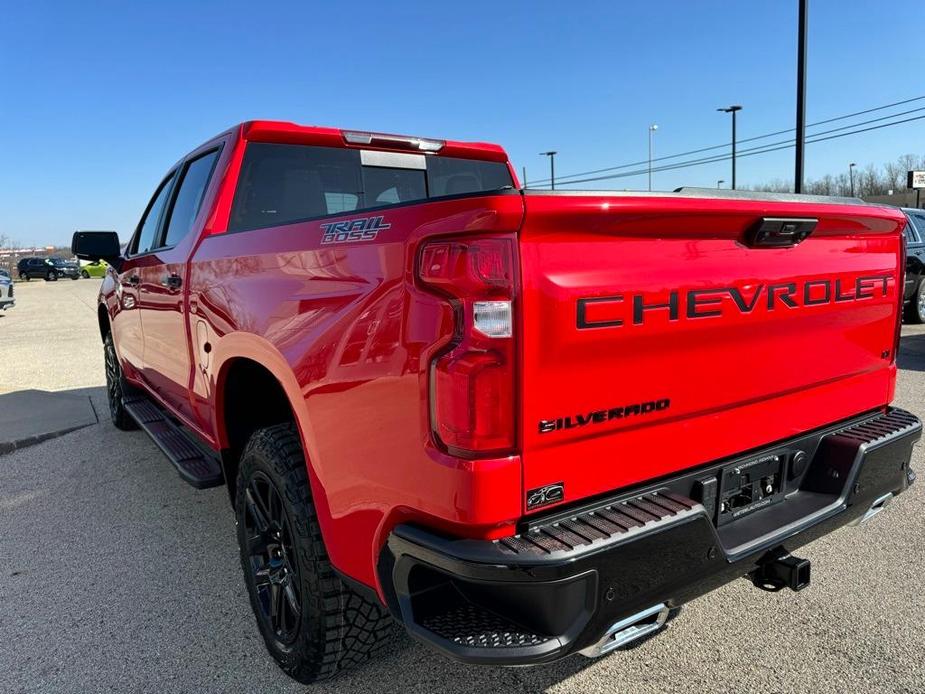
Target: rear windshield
(281,184)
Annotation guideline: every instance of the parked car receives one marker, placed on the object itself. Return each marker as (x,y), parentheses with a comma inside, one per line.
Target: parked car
(47,268)
(6,291)
(93,268)
(914,297)
(525,424)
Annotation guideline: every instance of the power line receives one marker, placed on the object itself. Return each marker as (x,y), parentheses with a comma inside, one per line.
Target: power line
(763,149)
(747,139)
(753,151)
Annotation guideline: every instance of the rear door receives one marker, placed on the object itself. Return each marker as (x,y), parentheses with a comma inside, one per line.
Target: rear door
(657,337)
(167,358)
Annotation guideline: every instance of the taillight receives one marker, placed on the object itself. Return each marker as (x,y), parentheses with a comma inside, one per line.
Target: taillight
(472,382)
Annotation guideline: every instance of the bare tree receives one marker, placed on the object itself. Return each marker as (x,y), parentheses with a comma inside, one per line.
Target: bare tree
(868,181)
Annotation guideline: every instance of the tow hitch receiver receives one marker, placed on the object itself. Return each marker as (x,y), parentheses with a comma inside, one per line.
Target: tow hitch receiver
(781,570)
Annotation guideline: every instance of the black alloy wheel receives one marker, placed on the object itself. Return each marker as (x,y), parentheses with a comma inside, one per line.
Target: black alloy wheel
(115,387)
(920,302)
(273,563)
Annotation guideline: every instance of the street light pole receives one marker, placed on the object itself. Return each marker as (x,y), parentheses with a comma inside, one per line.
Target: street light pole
(652,129)
(851,176)
(552,167)
(801,97)
(719,183)
(733,109)
(524,184)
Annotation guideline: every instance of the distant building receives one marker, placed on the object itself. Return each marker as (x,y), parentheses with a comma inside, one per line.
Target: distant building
(900,198)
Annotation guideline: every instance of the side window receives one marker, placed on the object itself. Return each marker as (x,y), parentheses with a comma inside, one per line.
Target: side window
(919,221)
(147,231)
(192,187)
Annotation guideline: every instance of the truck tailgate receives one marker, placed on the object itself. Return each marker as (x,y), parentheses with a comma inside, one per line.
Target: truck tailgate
(657,337)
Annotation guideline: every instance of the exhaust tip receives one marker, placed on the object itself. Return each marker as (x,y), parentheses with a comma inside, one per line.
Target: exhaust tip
(630,630)
(879,504)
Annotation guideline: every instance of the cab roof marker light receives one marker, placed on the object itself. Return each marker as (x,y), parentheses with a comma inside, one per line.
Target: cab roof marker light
(355,137)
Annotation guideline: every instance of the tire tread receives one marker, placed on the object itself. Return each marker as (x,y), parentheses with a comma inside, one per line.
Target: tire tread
(350,628)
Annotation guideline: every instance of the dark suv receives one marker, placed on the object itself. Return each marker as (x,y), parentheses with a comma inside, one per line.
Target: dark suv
(47,268)
(914,297)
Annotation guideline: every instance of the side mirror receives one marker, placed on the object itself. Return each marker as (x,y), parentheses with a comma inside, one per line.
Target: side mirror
(97,245)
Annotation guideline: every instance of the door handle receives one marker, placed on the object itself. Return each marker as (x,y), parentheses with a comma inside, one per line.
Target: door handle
(172,281)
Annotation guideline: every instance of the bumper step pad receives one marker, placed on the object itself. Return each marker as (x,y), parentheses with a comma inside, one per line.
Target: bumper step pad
(470,625)
(893,423)
(197,466)
(599,525)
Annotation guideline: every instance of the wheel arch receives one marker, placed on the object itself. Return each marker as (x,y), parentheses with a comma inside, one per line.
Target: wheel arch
(254,387)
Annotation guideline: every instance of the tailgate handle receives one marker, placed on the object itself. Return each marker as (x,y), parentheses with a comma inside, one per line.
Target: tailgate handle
(778,232)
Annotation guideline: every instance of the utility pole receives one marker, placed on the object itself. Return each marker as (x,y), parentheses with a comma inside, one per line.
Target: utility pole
(552,167)
(733,110)
(851,176)
(524,181)
(801,97)
(652,129)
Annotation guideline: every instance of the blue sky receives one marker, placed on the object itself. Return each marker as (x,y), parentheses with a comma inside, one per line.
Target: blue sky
(99,99)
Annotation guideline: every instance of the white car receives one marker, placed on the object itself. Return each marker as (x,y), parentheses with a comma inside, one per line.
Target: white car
(6,291)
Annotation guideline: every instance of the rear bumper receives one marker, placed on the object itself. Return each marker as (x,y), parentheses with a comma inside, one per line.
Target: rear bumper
(558,586)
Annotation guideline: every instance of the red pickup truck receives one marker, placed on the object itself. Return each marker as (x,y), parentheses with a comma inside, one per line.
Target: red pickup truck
(524,424)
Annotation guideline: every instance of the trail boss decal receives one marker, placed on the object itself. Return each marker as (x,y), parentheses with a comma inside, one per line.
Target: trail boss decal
(715,302)
(365,229)
(583,419)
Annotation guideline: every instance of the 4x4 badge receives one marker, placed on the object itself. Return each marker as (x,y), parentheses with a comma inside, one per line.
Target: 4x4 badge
(550,494)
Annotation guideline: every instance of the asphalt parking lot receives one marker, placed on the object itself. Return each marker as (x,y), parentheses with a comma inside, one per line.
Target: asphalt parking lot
(117,576)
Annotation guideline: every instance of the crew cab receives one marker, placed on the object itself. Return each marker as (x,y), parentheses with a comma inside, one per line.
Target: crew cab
(524,424)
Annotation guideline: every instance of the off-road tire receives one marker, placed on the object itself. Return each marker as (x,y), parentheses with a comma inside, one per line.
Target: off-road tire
(115,387)
(337,627)
(915,311)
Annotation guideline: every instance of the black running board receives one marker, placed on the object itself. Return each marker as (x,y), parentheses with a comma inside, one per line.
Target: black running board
(195,464)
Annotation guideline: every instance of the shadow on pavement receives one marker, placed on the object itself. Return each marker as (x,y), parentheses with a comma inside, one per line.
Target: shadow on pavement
(912,352)
(28,417)
(423,670)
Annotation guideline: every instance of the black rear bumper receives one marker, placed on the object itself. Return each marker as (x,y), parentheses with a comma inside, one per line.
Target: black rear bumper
(564,580)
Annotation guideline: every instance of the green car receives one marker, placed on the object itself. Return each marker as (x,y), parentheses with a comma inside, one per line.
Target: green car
(96,268)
